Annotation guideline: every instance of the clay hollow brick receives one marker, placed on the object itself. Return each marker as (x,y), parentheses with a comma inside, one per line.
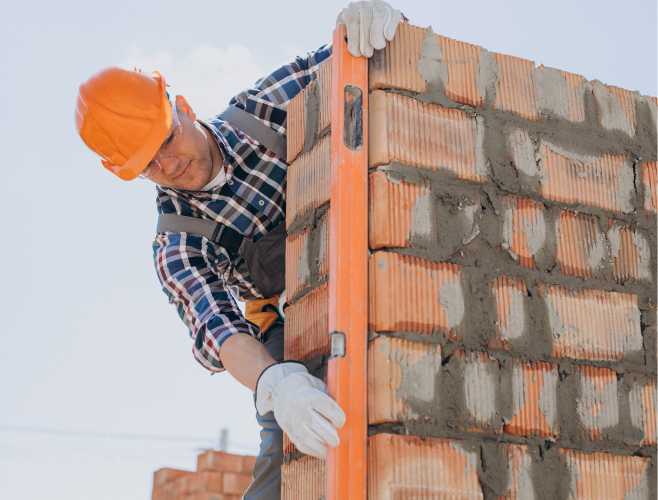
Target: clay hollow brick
(516,86)
(510,295)
(524,229)
(426,136)
(604,476)
(631,254)
(597,406)
(481,384)
(534,399)
(304,479)
(642,399)
(519,465)
(615,108)
(650,181)
(406,467)
(415,295)
(398,370)
(592,324)
(307,329)
(605,182)
(397,209)
(308,181)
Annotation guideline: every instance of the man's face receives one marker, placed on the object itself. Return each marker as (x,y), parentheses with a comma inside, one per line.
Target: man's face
(191,167)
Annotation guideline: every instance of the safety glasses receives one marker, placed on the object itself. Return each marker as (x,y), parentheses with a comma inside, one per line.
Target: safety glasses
(168,149)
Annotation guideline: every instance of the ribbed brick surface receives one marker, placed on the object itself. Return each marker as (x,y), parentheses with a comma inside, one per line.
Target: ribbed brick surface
(643,408)
(510,294)
(601,476)
(519,465)
(296,115)
(480,385)
(581,248)
(592,324)
(324,77)
(304,479)
(462,62)
(597,406)
(308,181)
(408,468)
(415,295)
(615,108)
(396,67)
(426,136)
(650,181)
(399,369)
(391,207)
(576,96)
(524,229)
(298,272)
(288,445)
(516,86)
(307,330)
(606,183)
(296,125)
(631,254)
(534,399)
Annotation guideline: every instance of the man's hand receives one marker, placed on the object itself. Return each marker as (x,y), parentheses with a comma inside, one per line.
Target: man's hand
(369,24)
(301,407)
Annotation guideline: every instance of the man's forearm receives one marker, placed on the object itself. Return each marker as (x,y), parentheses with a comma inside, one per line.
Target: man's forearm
(245,358)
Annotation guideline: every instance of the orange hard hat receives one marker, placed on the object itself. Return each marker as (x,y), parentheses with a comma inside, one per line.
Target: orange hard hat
(124,116)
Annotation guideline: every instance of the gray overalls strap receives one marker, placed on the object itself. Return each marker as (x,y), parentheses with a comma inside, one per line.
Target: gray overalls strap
(266,259)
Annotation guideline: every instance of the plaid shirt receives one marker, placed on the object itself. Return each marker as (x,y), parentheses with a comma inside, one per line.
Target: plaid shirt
(197,274)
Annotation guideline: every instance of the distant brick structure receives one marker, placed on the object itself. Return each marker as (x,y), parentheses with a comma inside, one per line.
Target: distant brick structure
(512,277)
(219,476)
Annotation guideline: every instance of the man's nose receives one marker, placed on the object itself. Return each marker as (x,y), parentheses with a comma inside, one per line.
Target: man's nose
(169,164)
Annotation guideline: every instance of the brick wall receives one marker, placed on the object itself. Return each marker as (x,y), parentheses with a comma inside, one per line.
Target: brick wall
(219,476)
(512,275)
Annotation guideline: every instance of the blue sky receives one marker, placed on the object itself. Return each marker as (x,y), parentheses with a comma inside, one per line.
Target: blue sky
(88,342)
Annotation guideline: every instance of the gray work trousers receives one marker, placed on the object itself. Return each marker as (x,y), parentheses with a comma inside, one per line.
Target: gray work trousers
(267,469)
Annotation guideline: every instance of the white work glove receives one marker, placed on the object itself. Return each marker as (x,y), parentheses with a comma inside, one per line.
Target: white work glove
(301,407)
(369,24)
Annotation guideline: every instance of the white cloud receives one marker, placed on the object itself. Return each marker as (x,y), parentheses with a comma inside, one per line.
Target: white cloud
(207,76)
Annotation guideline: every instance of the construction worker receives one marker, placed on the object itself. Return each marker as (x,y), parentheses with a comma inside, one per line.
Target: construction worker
(221,198)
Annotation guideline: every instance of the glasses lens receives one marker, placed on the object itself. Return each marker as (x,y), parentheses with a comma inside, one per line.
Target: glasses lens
(173,140)
(151,170)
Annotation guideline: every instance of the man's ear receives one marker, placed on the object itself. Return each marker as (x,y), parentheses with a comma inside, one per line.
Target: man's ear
(185,107)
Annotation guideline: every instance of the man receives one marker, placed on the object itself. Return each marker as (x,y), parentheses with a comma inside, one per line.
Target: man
(214,174)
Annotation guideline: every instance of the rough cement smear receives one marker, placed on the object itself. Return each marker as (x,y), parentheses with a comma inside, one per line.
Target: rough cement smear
(421,217)
(569,154)
(516,317)
(553,95)
(481,162)
(547,402)
(470,212)
(597,410)
(641,490)
(524,155)
(519,397)
(636,408)
(644,254)
(612,117)
(303,269)
(653,111)
(480,390)
(417,387)
(525,490)
(432,67)
(487,77)
(451,298)
(597,252)
(535,231)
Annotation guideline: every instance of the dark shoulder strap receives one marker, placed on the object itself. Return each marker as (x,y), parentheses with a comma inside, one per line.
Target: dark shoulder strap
(255,128)
(223,235)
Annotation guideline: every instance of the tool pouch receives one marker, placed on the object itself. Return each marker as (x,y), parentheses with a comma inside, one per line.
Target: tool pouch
(262,312)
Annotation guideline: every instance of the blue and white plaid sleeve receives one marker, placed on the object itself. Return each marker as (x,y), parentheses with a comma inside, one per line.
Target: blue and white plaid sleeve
(187,266)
